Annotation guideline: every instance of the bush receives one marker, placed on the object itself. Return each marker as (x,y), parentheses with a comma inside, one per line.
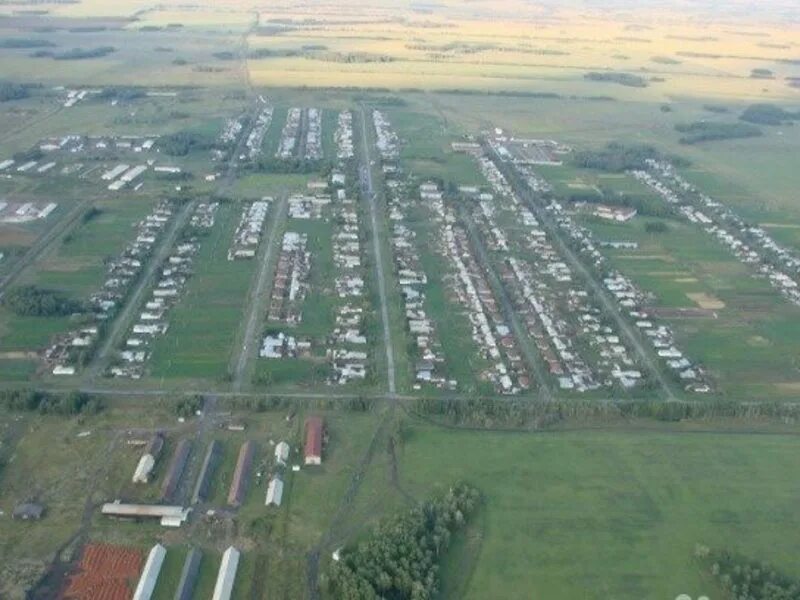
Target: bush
(767,114)
(32,301)
(702,131)
(618,157)
(626,79)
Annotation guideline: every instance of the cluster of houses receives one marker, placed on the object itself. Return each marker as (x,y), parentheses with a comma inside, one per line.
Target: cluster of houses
(284,345)
(307,207)
(507,371)
(580,349)
(173,275)
(290,284)
(230,132)
(287,146)
(630,300)
(255,139)
(344,135)
(429,359)
(387,141)
(313,145)
(248,233)
(347,344)
(66,350)
(751,245)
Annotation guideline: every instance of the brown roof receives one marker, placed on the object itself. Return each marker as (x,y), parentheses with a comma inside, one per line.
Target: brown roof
(313,445)
(238,485)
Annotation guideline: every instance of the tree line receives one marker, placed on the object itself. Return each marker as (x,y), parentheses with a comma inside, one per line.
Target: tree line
(400,557)
(33,301)
(68,404)
(527,413)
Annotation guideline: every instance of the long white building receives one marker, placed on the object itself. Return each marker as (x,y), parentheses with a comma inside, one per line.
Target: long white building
(149,577)
(227,574)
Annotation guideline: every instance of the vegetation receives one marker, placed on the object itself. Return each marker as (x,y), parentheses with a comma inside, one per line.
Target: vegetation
(32,301)
(761,74)
(746,579)
(656,227)
(12,91)
(703,131)
(13,43)
(75,53)
(768,114)
(72,403)
(617,157)
(400,558)
(183,142)
(626,79)
(188,407)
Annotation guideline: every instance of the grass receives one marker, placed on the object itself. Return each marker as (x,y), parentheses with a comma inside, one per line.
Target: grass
(203,324)
(608,514)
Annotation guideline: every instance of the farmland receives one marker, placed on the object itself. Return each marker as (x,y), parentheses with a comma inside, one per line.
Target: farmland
(273,276)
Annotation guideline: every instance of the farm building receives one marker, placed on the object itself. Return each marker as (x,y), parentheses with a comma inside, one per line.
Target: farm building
(28,511)
(206,471)
(170,516)
(274,491)
(227,574)
(148,460)
(189,574)
(239,483)
(281,453)
(313,447)
(175,471)
(149,576)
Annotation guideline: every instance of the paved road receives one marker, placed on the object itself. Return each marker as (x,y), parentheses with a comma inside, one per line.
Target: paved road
(124,318)
(257,299)
(369,192)
(609,306)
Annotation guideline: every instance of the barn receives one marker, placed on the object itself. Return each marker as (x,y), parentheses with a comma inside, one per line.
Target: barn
(313,447)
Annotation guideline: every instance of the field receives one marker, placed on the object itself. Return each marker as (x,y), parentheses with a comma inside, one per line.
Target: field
(583,496)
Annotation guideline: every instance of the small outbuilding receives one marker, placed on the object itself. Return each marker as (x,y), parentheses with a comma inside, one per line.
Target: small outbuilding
(274,492)
(282,453)
(28,511)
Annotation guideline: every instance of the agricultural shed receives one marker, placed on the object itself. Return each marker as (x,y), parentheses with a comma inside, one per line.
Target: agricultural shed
(227,574)
(206,471)
(313,447)
(282,453)
(171,516)
(239,483)
(149,576)
(189,575)
(274,491)
(28,511)
(176,468)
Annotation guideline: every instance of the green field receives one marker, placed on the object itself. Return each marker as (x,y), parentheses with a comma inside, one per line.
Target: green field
(203,325)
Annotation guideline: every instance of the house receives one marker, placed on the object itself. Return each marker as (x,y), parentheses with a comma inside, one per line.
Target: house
(313,448)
